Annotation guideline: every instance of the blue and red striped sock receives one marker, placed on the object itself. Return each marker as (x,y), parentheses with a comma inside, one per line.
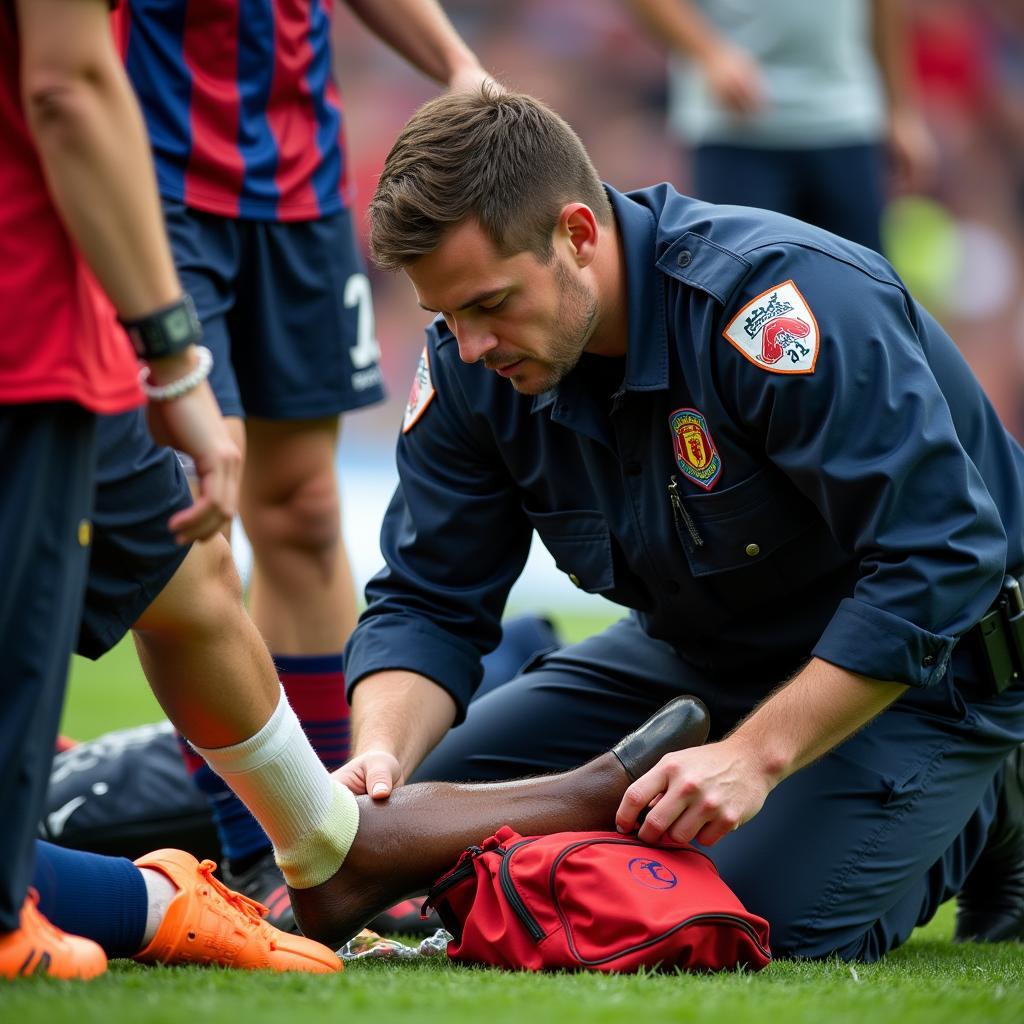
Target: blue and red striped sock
(315,687)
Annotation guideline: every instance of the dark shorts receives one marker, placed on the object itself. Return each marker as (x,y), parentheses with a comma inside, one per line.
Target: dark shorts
(838,188)
(286,311)
(47,456)
(139,486)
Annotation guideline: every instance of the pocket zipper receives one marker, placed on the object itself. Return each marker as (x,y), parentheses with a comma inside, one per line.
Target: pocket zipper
(731,919)
(512,893)
(679,513)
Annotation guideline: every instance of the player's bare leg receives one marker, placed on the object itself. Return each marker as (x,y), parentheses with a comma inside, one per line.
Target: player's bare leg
(203,657)
(404,843)
(301,594)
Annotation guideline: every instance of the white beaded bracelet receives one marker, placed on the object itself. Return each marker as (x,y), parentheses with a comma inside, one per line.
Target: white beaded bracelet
(183,385)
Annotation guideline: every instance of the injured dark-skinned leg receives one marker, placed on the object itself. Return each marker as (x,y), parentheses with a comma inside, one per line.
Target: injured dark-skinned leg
(405,842)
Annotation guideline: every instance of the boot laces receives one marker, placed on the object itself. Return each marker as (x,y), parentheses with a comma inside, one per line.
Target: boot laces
(253,911)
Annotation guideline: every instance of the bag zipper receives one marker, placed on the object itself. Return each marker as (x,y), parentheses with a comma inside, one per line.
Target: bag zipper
(679,513)
(732,919)
(511,893)
(455,876)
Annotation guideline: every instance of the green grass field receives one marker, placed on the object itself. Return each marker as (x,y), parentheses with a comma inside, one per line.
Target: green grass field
(926,982)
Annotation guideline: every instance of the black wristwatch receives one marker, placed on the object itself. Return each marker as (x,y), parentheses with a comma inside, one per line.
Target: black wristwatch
(166,331)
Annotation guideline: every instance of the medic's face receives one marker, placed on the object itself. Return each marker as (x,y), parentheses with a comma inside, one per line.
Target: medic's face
(527,320)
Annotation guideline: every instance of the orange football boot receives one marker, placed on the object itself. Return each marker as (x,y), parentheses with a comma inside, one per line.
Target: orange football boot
(37,947)
(208,923)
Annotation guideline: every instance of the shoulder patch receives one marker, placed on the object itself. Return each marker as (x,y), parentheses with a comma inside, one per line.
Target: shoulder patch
(776,331)
(420,394)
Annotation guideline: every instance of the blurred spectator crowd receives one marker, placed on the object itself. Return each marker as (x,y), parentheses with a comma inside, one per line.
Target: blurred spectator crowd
(960,245)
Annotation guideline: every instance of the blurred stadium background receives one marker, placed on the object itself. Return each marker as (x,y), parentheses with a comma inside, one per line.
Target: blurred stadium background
(960,246)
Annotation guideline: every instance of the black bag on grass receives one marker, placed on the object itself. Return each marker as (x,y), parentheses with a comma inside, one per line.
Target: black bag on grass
(126,793)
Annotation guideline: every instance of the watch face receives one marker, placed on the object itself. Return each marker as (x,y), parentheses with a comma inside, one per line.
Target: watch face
(178,325)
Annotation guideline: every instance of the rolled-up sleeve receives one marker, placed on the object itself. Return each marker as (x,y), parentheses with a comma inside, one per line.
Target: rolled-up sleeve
(869,438)
(454,540)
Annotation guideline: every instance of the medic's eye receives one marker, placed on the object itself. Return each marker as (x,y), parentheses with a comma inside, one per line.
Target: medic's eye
(495,306)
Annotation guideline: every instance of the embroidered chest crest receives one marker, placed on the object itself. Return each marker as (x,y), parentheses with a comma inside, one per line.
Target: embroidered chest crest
(696,454)
(776,331)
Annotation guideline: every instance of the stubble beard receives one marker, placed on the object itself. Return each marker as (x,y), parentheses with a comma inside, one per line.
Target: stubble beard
(577,322)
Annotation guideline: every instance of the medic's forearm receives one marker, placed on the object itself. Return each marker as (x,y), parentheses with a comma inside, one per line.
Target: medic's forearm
(815,711)
(402,713)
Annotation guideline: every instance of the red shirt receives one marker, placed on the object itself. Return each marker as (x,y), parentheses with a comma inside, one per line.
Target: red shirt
(59,338)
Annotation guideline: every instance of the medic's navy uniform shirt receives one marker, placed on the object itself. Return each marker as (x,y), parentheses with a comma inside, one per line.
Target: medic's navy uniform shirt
(792,459)
(242,112)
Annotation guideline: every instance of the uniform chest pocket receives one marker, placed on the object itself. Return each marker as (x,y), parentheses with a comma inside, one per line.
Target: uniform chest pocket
(744,525)
(581,545)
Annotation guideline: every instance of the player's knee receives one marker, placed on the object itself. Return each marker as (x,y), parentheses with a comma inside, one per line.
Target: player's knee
(306,518)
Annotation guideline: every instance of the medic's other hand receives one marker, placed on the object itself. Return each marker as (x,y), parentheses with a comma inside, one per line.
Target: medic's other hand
(375,773)
(702,793)
(193,424)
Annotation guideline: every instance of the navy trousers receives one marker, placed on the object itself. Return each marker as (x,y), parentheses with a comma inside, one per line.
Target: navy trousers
(47,455)
(848,855)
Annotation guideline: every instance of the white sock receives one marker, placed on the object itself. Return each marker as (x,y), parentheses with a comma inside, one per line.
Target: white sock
(310,818)
(160,890)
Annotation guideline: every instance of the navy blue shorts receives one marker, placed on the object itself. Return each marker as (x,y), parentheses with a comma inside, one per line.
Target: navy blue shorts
(286,311)
(47,457)
(838,188)
(139,486)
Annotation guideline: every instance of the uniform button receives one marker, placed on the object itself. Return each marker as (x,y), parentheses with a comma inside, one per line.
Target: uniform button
(928,660)
(753,550)
(671,586)
(685,258)
(574,579)
(634,468)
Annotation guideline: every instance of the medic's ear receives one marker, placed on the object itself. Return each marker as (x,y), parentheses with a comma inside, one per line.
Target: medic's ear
(578,226)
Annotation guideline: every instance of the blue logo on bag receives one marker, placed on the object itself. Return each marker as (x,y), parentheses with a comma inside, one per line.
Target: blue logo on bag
(652,873)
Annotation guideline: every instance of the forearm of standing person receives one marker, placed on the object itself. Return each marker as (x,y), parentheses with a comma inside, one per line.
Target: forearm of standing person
(680,25)
(911,146)
(397,718)
(91,139)
(733,75)
(420,31)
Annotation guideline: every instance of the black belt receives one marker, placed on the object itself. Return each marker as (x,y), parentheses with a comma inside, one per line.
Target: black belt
(998,639)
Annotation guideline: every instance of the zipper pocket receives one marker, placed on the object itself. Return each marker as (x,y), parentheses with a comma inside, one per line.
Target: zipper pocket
(725,918)
(681,516)
(511,893)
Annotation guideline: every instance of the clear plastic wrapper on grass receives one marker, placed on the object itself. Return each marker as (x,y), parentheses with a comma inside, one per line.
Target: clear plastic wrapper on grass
(370,944)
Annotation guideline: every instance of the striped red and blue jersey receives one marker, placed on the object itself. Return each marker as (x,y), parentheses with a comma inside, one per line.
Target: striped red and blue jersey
(242,110)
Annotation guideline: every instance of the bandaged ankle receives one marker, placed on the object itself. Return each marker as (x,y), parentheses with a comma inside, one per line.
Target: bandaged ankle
(311,819)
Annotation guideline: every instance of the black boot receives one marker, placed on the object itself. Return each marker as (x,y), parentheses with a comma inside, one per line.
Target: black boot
(990,906)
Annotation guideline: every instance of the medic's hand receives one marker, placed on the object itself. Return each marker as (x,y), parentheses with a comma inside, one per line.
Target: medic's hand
(375,773)
(193,424)
(702,793)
